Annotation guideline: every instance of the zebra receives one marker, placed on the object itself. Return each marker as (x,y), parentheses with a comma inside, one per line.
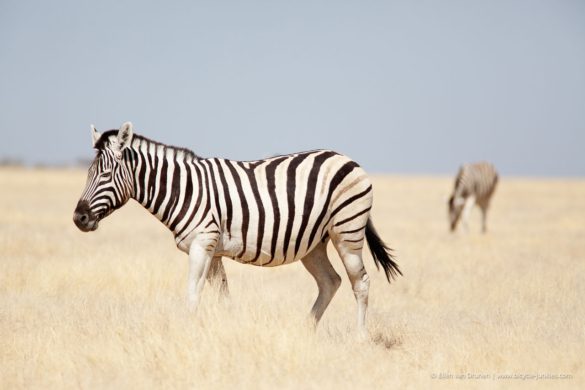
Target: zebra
(474,184)
(266,212)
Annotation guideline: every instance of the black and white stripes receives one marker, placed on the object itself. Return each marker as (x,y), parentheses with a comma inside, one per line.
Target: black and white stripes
(254,205)
(266,212)
(474,184)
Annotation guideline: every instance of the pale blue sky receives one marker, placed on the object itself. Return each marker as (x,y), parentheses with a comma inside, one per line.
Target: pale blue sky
(400,86)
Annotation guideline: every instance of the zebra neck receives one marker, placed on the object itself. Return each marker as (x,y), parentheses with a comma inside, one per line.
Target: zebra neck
(167,182)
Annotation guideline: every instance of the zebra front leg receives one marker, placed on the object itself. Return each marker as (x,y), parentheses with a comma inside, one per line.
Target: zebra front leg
(328,281)
(469,202)
(484,219)
(199,262)
(217,275)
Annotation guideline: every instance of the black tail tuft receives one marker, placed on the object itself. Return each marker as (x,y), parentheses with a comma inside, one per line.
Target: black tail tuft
(381,253)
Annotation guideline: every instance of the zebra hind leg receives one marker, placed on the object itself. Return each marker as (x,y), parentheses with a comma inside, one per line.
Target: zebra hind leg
(328,281)
(216,276)
(360,281)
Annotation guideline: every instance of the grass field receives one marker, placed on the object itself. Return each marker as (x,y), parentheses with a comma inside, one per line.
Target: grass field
(108,310)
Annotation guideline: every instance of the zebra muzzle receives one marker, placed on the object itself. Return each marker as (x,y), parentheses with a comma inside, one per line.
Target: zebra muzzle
(84,218)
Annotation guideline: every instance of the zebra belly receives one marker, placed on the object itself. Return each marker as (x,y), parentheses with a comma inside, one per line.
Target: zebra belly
(232,246)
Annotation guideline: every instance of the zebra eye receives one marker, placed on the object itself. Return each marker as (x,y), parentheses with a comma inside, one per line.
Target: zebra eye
(106,175)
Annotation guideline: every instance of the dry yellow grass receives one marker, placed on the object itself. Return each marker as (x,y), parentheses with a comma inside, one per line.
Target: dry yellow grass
(107,309)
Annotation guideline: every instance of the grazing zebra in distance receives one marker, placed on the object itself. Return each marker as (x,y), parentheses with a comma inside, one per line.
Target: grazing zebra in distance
(474,184)
(266,212)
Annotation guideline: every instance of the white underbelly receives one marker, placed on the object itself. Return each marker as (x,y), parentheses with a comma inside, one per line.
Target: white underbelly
(233,247)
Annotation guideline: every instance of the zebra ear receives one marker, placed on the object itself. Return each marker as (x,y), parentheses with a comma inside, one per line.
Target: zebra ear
(125,135)
(95,135)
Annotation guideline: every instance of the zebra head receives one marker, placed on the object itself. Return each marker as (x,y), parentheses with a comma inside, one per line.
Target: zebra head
(456,204)
(109,179)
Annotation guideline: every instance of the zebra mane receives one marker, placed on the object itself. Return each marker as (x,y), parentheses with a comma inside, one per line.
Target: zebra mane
(104,141)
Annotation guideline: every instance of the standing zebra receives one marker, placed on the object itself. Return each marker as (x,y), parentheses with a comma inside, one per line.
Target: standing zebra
(266,212)
(474,184)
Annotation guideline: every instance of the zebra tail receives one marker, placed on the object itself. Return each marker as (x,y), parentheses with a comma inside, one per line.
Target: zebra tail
(381,253)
